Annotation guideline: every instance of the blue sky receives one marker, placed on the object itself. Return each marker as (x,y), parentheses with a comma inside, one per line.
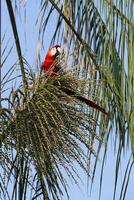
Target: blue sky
(30,47)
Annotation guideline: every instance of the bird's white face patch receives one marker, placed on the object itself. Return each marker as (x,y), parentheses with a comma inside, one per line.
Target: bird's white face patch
(53,51)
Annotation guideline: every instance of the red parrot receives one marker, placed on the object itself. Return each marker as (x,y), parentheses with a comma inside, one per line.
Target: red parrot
(50,66)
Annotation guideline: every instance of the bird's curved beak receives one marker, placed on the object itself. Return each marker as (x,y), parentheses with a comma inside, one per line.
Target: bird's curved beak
(58,51)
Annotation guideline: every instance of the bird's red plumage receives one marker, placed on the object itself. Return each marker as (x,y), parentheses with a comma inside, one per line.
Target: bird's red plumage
(50,58)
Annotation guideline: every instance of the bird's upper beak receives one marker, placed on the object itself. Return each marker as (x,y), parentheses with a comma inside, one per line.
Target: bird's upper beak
(58,52)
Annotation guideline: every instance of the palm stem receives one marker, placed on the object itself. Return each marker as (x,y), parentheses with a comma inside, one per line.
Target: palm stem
(17,42)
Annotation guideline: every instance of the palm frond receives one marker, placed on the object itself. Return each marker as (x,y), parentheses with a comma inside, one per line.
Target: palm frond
(51,128)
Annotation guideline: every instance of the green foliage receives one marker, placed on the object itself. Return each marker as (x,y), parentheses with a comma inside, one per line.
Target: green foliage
(50,128)
(42,129)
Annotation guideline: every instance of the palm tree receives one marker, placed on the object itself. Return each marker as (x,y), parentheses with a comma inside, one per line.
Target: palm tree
(43,131)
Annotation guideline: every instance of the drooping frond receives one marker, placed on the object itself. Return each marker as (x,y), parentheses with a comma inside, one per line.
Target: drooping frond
(51,128)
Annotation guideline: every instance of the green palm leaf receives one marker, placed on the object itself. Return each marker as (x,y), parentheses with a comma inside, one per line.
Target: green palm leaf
(46,129)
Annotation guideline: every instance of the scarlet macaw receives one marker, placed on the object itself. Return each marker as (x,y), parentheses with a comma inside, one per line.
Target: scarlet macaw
(50,64)
(51,67)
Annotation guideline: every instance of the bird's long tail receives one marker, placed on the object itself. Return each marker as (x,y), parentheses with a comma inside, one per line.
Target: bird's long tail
(85,100)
